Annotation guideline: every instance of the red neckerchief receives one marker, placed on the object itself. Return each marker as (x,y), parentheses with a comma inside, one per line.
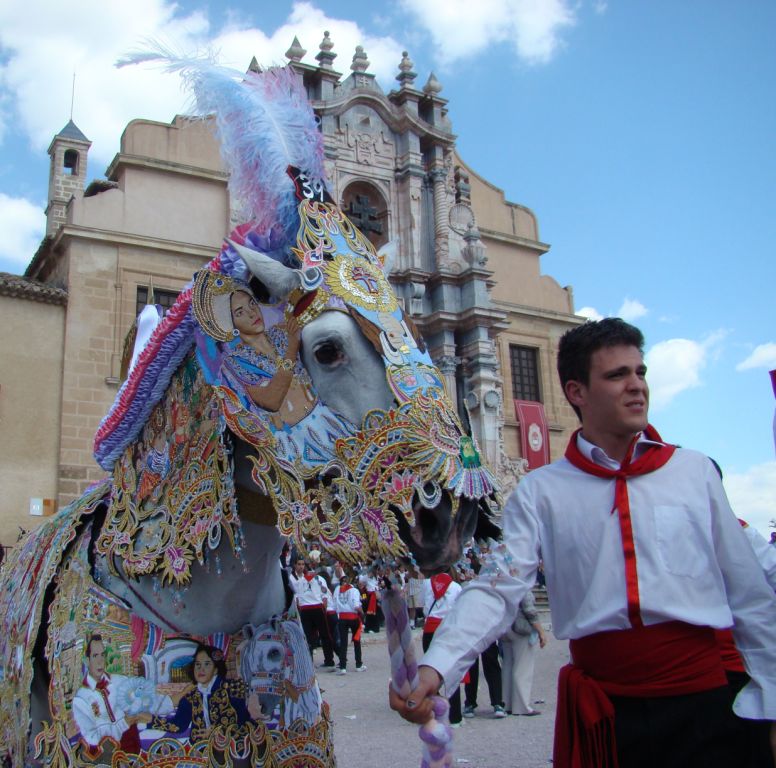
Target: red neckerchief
(652,458)
(344,587)
(309,576)
(440,583)
(102,687)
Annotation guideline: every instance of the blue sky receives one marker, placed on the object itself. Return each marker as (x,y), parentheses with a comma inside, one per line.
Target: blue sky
(641,134)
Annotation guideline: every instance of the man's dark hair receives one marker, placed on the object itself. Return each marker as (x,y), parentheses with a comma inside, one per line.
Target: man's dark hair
(89,640)
(577,346)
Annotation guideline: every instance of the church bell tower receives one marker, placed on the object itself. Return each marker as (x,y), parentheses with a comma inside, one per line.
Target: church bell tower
(67,176)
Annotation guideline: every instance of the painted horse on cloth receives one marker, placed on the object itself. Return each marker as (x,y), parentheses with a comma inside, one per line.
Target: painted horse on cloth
(284,395)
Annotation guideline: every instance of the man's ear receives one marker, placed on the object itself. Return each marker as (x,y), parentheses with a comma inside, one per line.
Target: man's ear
(575,392)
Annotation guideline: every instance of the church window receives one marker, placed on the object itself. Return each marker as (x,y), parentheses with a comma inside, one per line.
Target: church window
(164,299)
(71,162)
(524,362)
(365,207)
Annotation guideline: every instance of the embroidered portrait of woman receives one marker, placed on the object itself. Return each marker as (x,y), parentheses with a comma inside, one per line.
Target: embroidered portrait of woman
(214,700)
(257,358)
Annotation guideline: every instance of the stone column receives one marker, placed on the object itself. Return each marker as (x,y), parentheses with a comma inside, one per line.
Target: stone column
(448,365)
(438,178)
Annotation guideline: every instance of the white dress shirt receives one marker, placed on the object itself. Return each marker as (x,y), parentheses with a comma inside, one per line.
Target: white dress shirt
(308,592)
(694,565)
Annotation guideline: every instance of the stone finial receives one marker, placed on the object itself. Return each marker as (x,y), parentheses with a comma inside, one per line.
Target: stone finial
(295,52)
(325,55)
(406,76)
(254,67)
(432,86)
(360,61)
(326,44)
(474,251)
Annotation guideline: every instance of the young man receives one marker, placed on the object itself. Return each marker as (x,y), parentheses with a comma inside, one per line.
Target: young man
(98,710)
(643,558)
(350,617)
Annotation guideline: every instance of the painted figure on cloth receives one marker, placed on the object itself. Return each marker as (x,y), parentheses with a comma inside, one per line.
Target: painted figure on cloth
(102,706)
(214,701)
(259,360)
(264,361)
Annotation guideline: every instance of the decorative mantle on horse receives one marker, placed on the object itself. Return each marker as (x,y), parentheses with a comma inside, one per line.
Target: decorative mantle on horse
(220,407)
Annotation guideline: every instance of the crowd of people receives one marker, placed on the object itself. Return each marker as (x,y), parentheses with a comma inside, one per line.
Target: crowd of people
(337,604)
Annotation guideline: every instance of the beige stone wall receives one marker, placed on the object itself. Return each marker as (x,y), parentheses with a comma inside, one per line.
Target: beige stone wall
(538,309)
(31,350)
(542,333)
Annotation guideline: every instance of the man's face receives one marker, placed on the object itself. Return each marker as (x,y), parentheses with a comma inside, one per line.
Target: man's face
(95,661)
(615,401)
(299,567)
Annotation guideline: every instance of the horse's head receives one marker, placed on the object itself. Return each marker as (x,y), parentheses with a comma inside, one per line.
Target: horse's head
(359,448)
(405,478)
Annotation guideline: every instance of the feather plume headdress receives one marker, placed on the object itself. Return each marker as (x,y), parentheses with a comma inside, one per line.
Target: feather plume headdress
(265,124)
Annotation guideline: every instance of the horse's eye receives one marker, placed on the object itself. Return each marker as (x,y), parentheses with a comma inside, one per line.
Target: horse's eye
(328,353)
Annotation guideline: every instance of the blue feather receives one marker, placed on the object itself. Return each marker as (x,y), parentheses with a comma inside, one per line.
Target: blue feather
(265,123)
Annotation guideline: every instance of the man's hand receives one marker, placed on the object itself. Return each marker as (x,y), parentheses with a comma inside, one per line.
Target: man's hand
(417,708)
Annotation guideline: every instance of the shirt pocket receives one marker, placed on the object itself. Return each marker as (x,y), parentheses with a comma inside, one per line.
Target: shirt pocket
(679,544)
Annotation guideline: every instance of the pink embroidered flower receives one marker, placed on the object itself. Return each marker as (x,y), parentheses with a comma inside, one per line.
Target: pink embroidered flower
(176,559)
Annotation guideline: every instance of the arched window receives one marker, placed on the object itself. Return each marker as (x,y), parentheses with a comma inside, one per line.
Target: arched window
(71,162)
(365,206)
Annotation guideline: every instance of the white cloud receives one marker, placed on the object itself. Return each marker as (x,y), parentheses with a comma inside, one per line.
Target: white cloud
(752,494)
(591,313)
(675,365)
(631,310)
(22,224)
(45,42)
(461,28)
(762,356)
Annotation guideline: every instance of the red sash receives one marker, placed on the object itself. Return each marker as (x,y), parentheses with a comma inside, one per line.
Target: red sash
(653,457)
(371,603)
(731,658)
(668,659)
(348,616)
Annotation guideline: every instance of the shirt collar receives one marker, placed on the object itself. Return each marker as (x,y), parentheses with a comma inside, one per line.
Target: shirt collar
(92,683)
(597,455)
(206,689)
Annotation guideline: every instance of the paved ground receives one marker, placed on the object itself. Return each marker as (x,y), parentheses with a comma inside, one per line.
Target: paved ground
(368,733)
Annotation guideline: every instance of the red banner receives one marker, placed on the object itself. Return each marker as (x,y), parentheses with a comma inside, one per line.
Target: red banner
(534,437)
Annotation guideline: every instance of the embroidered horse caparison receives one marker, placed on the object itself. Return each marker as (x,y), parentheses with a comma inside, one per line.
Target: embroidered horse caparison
(285,395)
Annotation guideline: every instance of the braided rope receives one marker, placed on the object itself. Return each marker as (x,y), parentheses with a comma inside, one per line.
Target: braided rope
(436,734)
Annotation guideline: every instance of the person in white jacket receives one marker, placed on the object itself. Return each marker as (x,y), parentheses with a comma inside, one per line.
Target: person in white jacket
(350,615)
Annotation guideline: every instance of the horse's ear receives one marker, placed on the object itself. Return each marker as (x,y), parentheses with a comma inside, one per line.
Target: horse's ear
(248,631)
(279,279)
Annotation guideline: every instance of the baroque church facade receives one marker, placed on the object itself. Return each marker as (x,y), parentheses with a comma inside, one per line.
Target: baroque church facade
(466,266)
